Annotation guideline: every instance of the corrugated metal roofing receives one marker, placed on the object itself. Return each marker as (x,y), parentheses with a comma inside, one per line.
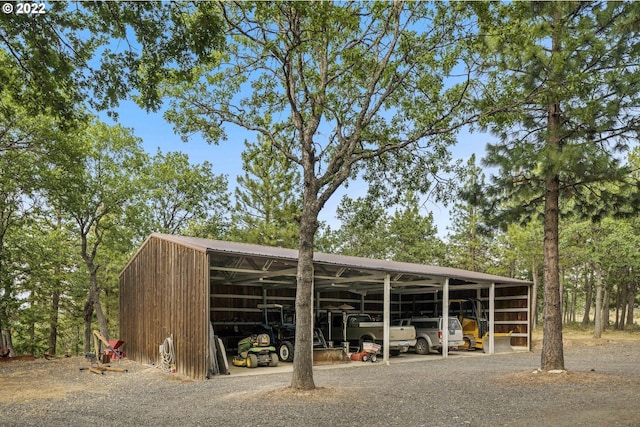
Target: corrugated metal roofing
(248,250)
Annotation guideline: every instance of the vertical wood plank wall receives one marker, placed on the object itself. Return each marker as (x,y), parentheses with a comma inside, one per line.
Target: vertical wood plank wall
(164,292)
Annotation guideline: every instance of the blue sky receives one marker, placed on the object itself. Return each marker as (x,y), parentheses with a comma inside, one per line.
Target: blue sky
(156,132)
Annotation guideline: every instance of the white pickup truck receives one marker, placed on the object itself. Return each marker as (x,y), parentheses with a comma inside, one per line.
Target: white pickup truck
(361,328)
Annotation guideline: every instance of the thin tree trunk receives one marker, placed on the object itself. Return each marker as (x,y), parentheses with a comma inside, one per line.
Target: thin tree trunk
(597,329)
(7,341)
(88,318)
(32,338)
(620,308)
(97,307)
(589,297)
(53,321)
(574,299)
(605,307)
(631,298)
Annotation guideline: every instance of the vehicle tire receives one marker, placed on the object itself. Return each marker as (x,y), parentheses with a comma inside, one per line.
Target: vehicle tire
(252,361)
(274,359)
(394,352)
(422,346)
(469,344)
(285,351)
(365,357)
(374,358)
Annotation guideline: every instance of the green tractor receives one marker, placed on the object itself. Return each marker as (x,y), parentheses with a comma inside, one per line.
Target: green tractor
(255,351)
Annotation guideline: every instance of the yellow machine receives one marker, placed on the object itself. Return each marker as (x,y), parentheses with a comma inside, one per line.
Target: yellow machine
(475,326)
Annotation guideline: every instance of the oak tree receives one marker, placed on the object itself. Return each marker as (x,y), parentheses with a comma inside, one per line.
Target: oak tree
(341,89)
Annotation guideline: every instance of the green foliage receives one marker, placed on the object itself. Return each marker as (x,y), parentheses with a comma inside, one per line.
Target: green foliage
(177,194)
(368,230)
(97,53)
(267,206)
(589,73)
(469,237)
(346,83)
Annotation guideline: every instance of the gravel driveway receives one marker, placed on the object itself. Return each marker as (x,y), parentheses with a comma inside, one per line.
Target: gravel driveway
(601,388)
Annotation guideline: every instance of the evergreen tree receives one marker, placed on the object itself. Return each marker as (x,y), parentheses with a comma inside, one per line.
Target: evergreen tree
(469,237)
(563,77)
(413,237)
(267,200)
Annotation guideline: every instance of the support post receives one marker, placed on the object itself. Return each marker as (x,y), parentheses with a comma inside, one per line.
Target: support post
(492,313)
(445,318)
(530,311)
(386,318)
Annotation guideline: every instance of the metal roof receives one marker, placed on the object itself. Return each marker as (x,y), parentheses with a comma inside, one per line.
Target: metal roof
(275,267)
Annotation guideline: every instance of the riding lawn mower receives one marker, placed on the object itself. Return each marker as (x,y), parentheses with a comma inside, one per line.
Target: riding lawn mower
(255,351)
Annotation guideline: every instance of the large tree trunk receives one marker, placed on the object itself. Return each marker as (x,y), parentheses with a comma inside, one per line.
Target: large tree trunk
(552,351)
(302,378)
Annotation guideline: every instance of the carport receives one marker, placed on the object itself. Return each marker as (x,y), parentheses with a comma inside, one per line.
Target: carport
(176,286)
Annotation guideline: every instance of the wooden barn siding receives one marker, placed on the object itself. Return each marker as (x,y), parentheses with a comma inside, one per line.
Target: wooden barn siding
(163,293)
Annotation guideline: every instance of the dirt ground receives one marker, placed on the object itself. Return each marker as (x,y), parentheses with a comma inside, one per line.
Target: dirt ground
(65,385)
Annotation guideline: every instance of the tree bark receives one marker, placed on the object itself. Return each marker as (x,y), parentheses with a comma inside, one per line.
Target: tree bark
(7,341)
(597,328)
(302,378)
(588,299)
(605,307)
(97,306)
(631,298)
(552,351)
(88,317)
(53,321)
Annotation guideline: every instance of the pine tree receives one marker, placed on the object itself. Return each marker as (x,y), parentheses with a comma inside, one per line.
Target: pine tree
(563,78)
(267,203)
